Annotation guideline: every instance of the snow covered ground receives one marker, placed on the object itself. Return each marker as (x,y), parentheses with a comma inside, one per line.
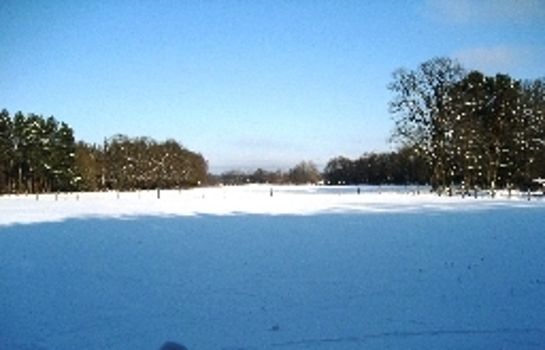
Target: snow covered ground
(251,199)
(306,268)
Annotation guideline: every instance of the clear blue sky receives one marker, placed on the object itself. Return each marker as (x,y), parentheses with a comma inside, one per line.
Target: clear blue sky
(248,83)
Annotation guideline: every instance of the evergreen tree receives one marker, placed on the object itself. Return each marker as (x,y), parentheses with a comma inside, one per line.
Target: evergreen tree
(63,159)
(6,150)
(532,142)
(20,151)
(470,100)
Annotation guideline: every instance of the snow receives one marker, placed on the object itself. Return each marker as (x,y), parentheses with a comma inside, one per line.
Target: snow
(308,268)
(233,200)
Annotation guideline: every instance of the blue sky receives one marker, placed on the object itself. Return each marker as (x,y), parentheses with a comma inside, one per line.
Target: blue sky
(248,83)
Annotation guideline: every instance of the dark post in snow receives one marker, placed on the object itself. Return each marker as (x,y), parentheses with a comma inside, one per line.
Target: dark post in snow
(271,192)
(358,190)
(158,193)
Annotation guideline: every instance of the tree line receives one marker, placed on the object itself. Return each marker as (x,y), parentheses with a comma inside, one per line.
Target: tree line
(39,154)
(402,167)
(304,172)
(124,163)
(453,127)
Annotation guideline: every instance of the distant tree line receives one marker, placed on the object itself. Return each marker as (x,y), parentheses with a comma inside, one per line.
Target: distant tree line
(453,128)
(471,129)
(302,173)
(402,167)
(39,154)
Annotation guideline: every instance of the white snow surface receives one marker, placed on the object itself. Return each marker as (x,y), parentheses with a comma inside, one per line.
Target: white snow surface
(250,199)
(308,268)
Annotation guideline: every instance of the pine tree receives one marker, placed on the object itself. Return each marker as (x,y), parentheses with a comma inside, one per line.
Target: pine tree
(532,142)
(6,150)
(63,159)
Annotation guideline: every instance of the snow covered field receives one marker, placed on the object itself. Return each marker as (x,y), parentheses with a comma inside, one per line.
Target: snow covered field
(251,199)
(305,268)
